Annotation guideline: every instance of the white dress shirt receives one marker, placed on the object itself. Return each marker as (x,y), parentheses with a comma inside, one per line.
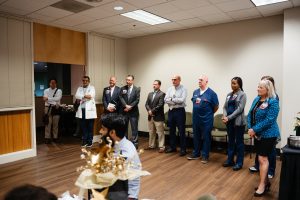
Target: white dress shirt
(49,92)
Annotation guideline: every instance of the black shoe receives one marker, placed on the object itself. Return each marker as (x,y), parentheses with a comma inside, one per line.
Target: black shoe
(170,150)
(204,160)
(253,169)
(83,144)
(192,157)
(47,141)
(55,140)
(182,153)
(236,167)
(227,164)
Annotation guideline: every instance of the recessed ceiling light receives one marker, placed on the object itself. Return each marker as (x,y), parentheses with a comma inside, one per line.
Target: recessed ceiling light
(266,2)
(146,17)
(118,8)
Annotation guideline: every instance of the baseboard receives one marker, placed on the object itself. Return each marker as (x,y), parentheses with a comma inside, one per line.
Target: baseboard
(15,156)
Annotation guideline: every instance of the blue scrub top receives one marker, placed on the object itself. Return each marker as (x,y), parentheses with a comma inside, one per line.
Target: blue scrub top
(203,112)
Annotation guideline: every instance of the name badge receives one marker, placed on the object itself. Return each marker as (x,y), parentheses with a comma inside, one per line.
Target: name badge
(264,105)
(107,91)
(198,100)
(234,97)
(124,91)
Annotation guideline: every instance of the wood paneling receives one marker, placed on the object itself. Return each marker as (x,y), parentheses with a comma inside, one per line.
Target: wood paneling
(97,123)
(15,63)
(172,177)
(57,45)
(15,131)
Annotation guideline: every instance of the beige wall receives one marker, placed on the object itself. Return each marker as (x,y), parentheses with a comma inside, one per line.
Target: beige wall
(249,49)
(290,72)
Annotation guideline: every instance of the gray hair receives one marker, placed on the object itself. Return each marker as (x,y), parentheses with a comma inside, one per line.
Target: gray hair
(269,86)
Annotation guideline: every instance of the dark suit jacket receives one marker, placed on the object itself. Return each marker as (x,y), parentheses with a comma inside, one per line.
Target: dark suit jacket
(106,98)
(133,100)
(156,106)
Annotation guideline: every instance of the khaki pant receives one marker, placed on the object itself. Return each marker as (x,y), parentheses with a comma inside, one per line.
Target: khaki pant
(156,127)
(53,122)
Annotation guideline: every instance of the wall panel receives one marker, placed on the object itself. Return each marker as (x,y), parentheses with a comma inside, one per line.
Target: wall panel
(57,45)
(4,70)
(15,131)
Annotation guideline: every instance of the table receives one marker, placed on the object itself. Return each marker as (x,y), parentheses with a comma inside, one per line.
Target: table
(289,186)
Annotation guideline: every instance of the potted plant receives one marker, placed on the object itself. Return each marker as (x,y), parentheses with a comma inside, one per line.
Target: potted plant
(297,124)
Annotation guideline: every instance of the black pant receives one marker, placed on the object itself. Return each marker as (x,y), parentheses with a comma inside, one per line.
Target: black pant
(176,118)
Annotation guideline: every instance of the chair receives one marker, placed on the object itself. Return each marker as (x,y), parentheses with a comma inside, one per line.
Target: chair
(219,128)
(248,139)
(188,124)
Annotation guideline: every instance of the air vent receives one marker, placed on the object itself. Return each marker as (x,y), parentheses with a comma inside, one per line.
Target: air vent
(71,5)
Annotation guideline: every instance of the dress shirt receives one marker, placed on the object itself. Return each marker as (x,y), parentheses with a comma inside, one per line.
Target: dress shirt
(49,92)
(128,150)
(176,97)
(112,90)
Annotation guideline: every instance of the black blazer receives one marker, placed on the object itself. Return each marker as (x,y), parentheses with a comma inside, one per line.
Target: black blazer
(114,99)
(156,106)
(132,101)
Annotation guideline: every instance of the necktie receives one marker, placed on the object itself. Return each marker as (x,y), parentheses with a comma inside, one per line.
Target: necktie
(154,93)
(129,92)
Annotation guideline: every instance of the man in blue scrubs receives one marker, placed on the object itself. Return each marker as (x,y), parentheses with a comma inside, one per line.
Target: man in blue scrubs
(205,104)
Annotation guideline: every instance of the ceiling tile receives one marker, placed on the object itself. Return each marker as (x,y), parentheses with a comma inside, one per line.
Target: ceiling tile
(95,4)
(12,10)
(235,5)
(29,5)
(217,18)
(118,19)
(205,10)
(41,17)
(170,26)
(126,7)
(151,29)
(178,16)
(97,13)
(162,9)
(55,13)
(122,27)
(194,22)
(296,2)
(274,9)
(218,1)
(145,3)
(74,20)
(189,4)
(99,23)
(244,14)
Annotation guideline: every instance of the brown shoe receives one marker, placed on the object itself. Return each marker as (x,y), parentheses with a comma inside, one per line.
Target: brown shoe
(161,150)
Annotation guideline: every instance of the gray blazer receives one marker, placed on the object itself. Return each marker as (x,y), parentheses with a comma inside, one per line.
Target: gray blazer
(238,114)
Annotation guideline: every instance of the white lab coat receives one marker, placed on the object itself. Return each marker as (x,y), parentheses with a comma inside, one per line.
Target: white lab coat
(90,105)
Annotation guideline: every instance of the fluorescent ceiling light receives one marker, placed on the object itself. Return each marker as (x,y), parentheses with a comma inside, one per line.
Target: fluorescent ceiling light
(266,2)
(146,17)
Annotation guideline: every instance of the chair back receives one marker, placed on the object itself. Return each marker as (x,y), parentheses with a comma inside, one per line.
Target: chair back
(218,123)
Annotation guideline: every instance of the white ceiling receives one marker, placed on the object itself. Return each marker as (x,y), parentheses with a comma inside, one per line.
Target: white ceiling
(102,18)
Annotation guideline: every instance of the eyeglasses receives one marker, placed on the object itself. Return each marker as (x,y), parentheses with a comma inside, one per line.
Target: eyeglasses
(85,80)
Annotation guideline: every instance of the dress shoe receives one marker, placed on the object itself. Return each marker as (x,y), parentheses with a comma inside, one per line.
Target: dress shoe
(55,140)
(149,148)
(170,150)
(204,160)
(182,153)
(236,167)
(270,176)
(47,141)
(193,157)
(228,164)
(253,169)
(161,150)
(267,187)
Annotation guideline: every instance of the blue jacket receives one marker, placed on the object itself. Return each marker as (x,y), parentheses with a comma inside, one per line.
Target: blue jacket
(265,118)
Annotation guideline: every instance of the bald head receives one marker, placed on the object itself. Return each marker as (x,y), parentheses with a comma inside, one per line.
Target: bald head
(112,81)
(203,81)
(176,79)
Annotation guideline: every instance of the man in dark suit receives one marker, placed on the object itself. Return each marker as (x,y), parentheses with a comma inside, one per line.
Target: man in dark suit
(156,117)
(130,98)
(110,97)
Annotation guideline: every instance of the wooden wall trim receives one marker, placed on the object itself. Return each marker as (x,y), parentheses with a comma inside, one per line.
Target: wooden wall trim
(15,129)
(57,45)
